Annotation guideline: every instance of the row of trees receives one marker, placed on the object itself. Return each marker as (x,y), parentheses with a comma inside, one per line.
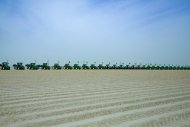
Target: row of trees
(85,66)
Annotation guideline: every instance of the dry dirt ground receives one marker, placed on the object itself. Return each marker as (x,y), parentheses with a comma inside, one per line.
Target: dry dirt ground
(103,98)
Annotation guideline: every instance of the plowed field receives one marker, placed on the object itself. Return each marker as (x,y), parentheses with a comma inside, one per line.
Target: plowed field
(102,98)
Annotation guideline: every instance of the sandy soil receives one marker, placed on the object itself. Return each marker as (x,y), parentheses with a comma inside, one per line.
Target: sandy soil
(102,98)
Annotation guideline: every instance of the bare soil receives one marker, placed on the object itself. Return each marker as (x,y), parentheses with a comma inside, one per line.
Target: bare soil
(95,98)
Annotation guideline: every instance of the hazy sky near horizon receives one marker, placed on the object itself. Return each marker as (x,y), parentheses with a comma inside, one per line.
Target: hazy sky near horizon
(141,31)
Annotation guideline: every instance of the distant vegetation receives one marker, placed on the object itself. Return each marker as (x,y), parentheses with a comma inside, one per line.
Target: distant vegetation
(85,66)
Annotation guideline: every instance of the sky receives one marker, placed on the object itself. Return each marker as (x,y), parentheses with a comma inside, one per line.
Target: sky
(135,31)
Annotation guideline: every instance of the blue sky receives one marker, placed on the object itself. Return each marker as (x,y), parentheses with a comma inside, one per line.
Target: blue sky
(141,31)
